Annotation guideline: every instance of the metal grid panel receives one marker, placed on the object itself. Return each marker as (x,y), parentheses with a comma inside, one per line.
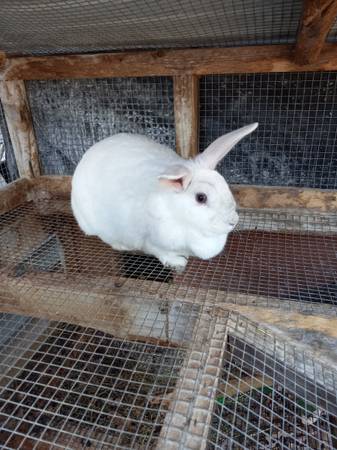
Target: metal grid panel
(65,386)
(78,388)
(266,399)
(44,26)
(8,168)
(274,259)
(70,116)
(295,143)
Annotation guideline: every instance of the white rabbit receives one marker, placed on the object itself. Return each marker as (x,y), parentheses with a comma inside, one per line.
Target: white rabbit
(136,194)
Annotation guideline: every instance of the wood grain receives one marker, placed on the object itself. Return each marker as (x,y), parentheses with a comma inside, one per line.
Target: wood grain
(285,198)
(20,126)
(269,197)
(14,194)
(2,59)
(186,114)
(317,19)
(252,59)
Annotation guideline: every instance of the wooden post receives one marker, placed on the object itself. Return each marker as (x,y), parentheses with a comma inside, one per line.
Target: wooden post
(317,19)
(186,99)
(2,59)
(19,122)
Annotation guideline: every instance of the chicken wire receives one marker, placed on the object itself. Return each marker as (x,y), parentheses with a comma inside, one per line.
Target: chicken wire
(68,26)
(8,168)
(295,143)
(69,116)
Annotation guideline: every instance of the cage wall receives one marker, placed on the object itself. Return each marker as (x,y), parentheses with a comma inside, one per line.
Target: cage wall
(294,145)
(70,116)
(295,142)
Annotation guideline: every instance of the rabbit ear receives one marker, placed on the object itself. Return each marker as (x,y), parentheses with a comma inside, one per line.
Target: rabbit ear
(214,153)
(177,177)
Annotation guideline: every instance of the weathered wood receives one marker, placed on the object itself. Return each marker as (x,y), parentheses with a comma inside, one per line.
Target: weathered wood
(317,19)
(100,303)
(19,122)
(186,114)
(191,405)
(2,59)
(285,197)
(252,59)
(14,194)
(48,187)
(129,307)
(269,197)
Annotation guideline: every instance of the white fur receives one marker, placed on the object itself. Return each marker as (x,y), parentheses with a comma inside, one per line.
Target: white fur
(126,191)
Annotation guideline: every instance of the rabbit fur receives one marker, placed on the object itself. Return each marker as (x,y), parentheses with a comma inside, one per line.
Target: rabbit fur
(136,194)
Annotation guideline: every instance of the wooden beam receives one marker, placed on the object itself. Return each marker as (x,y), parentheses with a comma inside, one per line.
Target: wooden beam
(190,411)
(317,19)
(97,302)
(2,59)
(14,194)
(19,122)
(186,114)
(269,197)
(253,59)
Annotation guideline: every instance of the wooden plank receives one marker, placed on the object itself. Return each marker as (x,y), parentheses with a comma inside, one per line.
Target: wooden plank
(190,412)
(317,19)
(97,302)
(269,197)
(252,59)
(19,122)
(186,114)
(285,198)
(14,194)
(2,59)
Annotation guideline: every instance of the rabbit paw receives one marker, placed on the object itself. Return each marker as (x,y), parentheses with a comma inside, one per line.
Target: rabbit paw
(175,262)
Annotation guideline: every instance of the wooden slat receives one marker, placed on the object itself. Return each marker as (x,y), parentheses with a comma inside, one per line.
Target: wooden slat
(186,109)
(14,194)
(2,59)
(317,19)
(19,122)
(191,405)
(97,302)
(285,198)
(253,59)
(247,196)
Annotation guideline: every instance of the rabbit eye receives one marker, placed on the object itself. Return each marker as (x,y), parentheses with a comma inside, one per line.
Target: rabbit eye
(201,197)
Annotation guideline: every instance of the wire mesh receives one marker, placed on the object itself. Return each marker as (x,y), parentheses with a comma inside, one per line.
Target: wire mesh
(42,27)
(78,388)
(8,168)
(67,386)
(265,398)
(295,143)
(70,116)
(272,258)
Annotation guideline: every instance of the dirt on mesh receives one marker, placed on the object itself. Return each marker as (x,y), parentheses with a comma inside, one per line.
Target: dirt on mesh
(84,389)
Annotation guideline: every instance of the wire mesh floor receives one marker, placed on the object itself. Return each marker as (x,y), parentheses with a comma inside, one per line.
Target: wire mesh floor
(272,258)
(100,349)
(65,386)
